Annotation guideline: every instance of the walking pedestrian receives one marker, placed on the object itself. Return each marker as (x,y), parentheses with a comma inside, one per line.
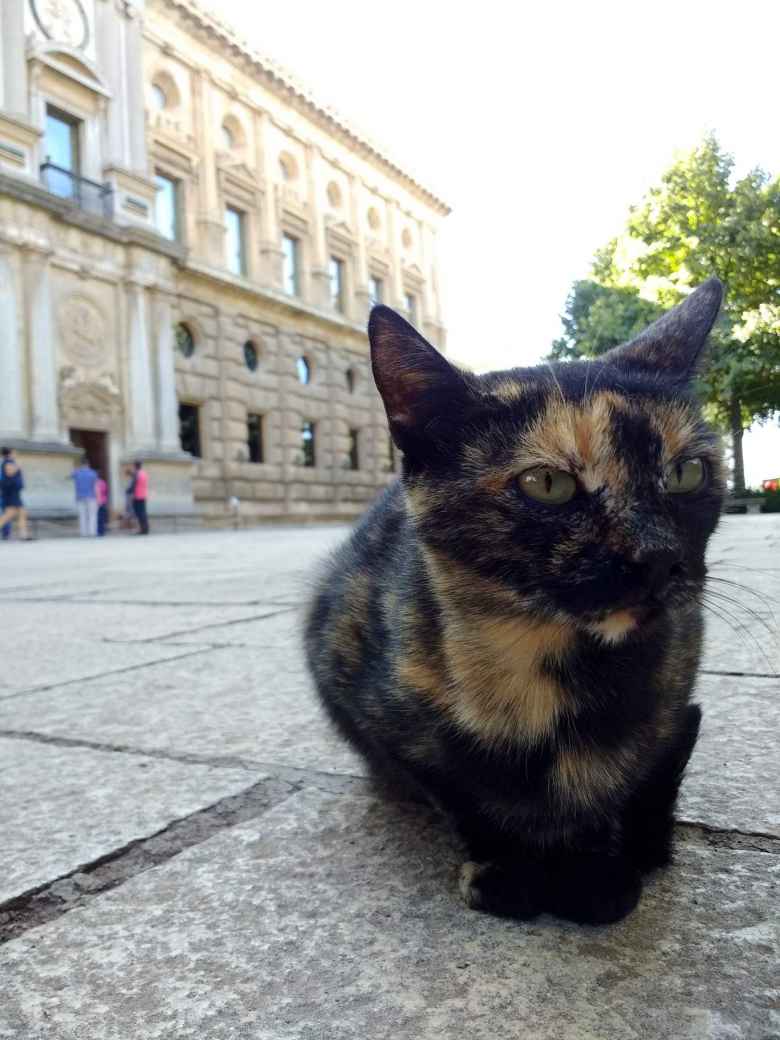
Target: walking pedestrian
(11,505)
(101,494)
(140,495)
(85,483)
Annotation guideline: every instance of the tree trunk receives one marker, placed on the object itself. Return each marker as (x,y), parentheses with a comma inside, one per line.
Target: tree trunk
(736,446)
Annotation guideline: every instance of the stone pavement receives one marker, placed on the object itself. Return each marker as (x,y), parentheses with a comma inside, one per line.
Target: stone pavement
(187,850)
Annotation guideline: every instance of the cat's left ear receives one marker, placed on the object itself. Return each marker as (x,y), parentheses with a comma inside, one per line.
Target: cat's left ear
(422,392)
(673,344)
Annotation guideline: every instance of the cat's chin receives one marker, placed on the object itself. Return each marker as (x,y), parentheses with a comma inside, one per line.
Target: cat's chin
(623,624)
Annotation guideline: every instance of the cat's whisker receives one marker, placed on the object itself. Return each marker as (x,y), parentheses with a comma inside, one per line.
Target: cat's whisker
(736,626)
(762,596)
(748,609)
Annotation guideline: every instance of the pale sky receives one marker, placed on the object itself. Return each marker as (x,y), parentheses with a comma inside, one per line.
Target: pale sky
(540,124)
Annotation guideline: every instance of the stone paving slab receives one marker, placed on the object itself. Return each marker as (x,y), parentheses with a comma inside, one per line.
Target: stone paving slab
(733,778)
(258,704)
(253,703)
(259,565)
(338,917)
(63,807)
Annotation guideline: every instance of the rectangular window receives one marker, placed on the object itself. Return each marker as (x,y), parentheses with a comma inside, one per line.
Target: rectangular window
(254,438)
(410,301)
(354,449)
(308,444)
(336,272)
(291,265)
(166,207)
(63,151)
(189,429)
(236,246)
(375,290)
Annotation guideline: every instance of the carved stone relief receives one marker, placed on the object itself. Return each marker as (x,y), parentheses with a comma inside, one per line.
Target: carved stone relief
(87,400)
(83,331)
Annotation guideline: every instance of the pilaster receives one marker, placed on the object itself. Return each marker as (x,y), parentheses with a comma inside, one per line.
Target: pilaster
(42,346)
(12,422)
(211,222)
(13,60)
(270,237)
(362,296)
(320,280)
(167,401)
(142,431)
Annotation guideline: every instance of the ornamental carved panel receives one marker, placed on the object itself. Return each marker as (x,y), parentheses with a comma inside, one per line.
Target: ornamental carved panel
(89,401)
(83,331)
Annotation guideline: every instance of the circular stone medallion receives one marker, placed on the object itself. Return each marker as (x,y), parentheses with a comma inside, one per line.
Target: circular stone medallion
(64,21)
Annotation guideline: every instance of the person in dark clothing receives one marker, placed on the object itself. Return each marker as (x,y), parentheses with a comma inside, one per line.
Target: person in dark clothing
(11,485)
(140,495)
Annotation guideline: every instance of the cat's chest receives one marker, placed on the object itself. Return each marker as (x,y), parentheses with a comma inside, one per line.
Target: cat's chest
(554,723)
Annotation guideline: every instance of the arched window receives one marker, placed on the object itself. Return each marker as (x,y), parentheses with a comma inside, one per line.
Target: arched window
(350,378)
(227,137)
(303,368)
(185,341)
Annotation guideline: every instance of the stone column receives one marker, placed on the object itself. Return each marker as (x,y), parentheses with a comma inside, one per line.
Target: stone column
(320,280)
(167,401)
(13,60)
(142,433)
(42,348)
(11,389)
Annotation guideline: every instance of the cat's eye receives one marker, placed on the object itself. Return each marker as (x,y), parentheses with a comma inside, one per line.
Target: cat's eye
(684,476)
(544,484)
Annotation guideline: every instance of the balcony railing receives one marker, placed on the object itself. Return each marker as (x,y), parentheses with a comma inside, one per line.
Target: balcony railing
(86,194)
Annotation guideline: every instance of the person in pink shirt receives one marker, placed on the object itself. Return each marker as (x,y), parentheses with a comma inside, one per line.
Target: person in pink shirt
(140,495)
(101,493)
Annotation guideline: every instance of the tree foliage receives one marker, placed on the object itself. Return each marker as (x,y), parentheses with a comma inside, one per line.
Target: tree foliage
(697,222)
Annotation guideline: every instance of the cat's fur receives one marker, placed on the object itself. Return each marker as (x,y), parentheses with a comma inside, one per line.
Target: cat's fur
(528,666)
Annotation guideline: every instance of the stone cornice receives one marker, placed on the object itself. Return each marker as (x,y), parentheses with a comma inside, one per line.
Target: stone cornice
(285,86)
(26,191)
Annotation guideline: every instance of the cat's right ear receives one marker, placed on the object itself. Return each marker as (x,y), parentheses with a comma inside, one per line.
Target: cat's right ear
(422,392)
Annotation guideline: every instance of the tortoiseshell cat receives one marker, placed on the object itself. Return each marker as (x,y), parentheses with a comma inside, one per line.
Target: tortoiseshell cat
(514,626)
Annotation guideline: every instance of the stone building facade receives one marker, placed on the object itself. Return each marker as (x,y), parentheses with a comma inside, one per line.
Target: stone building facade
(189,249)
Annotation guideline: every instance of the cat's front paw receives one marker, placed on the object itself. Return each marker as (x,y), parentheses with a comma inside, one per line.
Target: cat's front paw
(596,890)
(500,888)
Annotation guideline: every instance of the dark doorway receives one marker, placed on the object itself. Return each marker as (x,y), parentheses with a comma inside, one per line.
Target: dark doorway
(95,446)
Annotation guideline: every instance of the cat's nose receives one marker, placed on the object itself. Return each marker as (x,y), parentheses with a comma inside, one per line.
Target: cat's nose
(657,568)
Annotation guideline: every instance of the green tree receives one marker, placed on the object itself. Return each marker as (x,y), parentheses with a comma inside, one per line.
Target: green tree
(599,317)
(697,222)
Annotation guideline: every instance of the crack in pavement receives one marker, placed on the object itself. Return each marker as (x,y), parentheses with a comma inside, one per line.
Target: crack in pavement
(200,628)
(336,783)
(54,898)
(101,675)
(742,675)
